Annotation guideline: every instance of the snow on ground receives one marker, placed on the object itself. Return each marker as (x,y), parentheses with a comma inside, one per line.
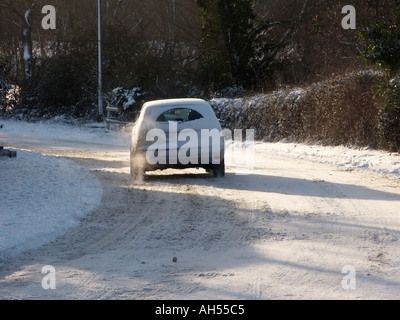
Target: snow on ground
(381,162)
(43,196)
(94,133)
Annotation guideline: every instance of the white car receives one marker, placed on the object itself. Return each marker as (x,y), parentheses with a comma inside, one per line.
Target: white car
(179,134)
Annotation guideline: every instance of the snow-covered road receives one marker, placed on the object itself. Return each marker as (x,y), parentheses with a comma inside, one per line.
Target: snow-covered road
(310,222)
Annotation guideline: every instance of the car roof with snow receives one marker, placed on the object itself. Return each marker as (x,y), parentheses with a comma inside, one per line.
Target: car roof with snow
(175,102)
(153,109)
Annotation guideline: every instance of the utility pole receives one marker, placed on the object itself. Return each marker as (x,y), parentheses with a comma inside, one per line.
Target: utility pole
(100,85)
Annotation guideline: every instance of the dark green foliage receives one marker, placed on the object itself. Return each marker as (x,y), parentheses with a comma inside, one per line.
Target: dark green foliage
(383,50)
(383,41)
(383,46)
(389,115)
(63,84)
(227,26)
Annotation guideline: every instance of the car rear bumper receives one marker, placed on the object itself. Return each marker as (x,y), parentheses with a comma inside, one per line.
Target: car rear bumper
(144,158)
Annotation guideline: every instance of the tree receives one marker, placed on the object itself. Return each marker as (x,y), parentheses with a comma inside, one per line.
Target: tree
(225,31)
(241,45)
(383,49)
(23,15)
(383,41)
(4,87)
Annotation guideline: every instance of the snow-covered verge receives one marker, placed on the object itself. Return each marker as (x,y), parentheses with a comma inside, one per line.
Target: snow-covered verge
(355,158)
(61,129)
(41,198)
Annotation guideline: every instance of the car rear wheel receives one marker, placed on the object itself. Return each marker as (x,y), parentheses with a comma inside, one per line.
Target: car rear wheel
(219,170)
(137,172)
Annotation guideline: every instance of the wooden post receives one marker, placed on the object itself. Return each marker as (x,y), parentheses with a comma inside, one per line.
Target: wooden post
(7,153)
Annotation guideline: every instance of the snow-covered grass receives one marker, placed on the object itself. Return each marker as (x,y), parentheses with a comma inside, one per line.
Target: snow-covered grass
(57,128)
(43,196)
(347,158)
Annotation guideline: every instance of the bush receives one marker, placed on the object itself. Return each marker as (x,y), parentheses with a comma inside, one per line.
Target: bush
(128,101)
(63,84)
(389,115)
(383,40)
(341,111)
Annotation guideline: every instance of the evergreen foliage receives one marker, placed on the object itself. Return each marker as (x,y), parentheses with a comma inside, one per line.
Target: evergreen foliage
(383,50)
(226,29)
(63,84)
(383,41)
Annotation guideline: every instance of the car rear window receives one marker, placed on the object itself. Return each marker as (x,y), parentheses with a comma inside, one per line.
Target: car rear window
(179,115)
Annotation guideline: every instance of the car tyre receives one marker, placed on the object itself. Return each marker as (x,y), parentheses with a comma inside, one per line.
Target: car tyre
(219,170)
(137,173)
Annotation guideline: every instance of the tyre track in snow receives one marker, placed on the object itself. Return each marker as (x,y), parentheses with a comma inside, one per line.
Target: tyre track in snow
(197,223)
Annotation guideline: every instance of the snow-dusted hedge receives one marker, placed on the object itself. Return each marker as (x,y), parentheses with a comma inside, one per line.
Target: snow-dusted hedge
(126,99)
(389,117)
(273,115)
(343,110)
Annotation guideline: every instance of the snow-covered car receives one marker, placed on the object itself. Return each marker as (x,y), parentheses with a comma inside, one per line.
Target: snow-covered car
(178,134)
